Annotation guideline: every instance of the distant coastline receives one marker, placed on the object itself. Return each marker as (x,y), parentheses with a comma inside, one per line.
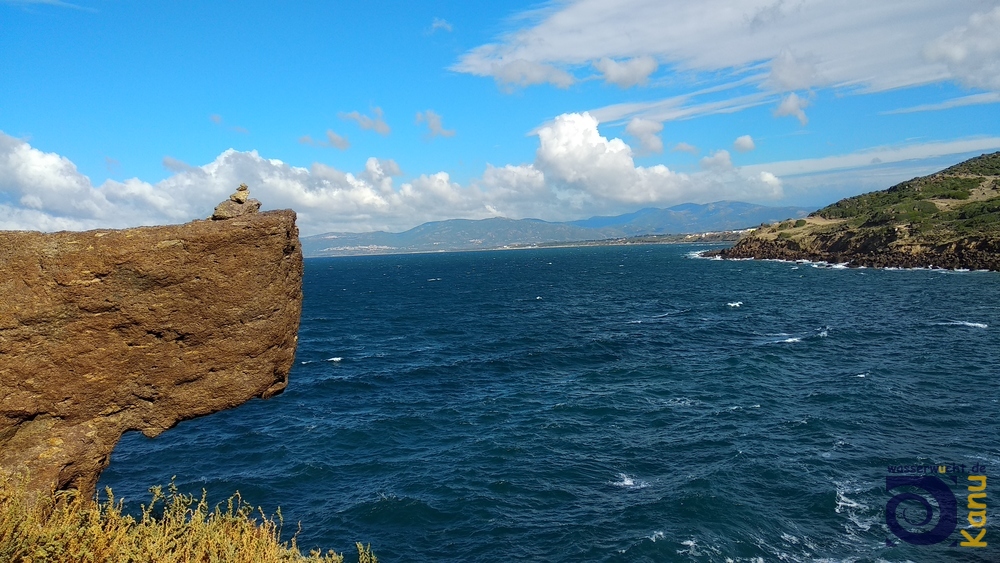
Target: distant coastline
(720,237)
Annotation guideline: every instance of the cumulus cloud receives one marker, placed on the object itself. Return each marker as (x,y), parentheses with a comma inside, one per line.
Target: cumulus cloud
(572,153)
(433,121)
(794,106)
(744,143)
(577,172)
(718,161)
(972,51)
(333,140)
(647,133)
(626,74)
(367,123)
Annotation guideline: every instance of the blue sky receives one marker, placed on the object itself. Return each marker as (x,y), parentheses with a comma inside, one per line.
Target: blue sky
(384,115)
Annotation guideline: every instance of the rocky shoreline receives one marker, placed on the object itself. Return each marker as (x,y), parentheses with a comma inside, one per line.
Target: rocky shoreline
(965,254)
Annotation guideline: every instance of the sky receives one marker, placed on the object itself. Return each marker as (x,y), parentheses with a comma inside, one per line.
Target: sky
(373,115)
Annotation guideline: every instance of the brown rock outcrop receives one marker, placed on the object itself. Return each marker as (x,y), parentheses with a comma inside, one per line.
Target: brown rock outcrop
(102,332)
(972,253)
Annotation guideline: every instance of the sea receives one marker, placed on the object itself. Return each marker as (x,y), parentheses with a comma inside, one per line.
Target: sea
(620,403)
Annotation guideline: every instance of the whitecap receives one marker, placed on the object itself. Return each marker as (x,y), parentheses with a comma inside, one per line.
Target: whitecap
(789,340)
(334,359)
(626,481)
(964,323)
(735,304)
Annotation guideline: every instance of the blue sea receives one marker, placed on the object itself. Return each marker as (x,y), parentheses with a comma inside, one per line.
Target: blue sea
(626,403)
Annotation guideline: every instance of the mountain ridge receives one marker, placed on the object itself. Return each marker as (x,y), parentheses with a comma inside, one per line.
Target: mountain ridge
(500,232)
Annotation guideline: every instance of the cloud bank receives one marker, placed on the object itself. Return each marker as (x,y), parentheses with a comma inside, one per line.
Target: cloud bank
(577,172)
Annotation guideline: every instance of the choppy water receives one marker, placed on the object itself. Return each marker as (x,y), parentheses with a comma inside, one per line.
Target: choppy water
(607,404)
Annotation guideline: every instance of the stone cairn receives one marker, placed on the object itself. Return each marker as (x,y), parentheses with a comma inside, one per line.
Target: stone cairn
(238,204)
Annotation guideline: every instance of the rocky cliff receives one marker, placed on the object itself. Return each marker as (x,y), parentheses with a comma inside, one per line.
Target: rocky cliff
(102,332)
(950,219)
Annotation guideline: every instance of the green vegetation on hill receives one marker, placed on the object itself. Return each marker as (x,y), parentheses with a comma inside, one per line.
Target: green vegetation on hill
(983,165)
(950,219)
(958,201)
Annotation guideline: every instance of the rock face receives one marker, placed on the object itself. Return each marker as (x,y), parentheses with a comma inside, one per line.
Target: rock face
(981,253)
(102,332)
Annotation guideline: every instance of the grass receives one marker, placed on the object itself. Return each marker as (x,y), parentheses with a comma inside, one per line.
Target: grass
(65,528)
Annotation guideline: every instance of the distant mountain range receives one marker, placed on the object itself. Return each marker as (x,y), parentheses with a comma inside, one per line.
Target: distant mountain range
(465,234)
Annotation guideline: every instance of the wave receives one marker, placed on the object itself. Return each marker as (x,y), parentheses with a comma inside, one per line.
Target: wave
(626,481)
(964,323)
(701,255)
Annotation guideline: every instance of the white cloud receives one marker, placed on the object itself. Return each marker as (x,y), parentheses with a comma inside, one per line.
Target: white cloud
(791,73)
(333,140)
(744,143)
(685,147)
(440,24)
(972,51)
(770,47)
(520,72)
(572,153)
(880,155)
(629,73)
(376,123)
(433,121)
(647,133)
(794,106)
(718,160)
(577,172)
(680,107)
(970,100)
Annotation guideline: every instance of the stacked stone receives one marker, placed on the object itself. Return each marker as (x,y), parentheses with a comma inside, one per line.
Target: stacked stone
(239,203)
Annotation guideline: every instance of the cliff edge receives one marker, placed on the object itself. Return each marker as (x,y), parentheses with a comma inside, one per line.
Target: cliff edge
(950,219)
(106,331)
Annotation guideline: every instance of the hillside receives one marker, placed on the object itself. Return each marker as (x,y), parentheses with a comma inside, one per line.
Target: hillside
(950,219)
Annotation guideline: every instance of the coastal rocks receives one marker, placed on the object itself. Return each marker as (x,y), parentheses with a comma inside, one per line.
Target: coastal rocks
(972,253)
(107,331)
(238,204)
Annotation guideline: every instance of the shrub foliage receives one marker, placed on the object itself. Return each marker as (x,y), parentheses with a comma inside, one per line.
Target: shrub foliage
(174,527)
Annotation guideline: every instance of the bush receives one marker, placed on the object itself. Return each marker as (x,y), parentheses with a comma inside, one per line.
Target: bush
(65,528)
